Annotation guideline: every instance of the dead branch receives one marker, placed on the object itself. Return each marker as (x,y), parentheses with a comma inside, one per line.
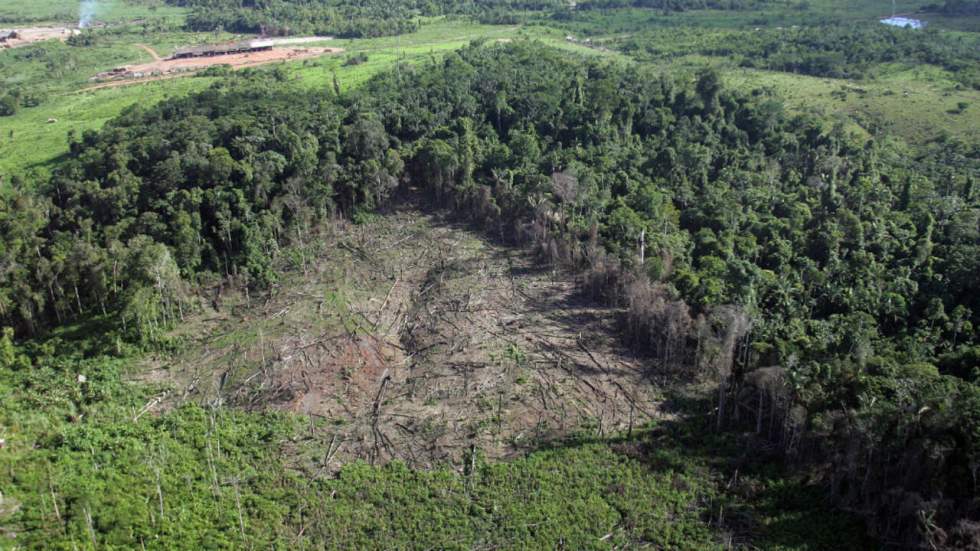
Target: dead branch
(585,349)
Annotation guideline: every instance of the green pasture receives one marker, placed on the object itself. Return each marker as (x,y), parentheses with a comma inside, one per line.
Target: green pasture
(57,75)
(29,142)
(430,42)
(915,103)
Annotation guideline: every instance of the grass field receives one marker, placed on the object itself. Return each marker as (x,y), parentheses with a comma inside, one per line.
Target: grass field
(916,103)
(56,74)
(29,143)
(428,43)
(66,11)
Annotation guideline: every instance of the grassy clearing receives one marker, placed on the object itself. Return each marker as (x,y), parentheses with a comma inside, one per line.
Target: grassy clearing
(56,74)
(66,11)
(28,142)
(917,103)
(432,40)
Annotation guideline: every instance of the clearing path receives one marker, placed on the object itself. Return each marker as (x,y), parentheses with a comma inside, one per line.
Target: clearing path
(415,339)
(294,40)
(153,53)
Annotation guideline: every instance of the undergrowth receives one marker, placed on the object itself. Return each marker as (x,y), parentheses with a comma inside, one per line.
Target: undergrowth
(86,465)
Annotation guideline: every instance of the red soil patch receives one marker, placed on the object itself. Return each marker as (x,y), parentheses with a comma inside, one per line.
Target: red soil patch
(417,340)
(31,35)
(169,68)
(351,370)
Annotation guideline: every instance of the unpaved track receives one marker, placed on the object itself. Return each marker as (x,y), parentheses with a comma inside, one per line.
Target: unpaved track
(153,53)
(162,69)
(442,343)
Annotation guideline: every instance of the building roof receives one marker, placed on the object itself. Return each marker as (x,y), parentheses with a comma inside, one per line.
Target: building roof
(904,22)
(222,48)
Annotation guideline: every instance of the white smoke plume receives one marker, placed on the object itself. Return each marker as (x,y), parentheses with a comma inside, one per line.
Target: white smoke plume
(86,13)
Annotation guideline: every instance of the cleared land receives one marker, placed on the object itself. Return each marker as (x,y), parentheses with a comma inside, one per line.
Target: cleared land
(30,35)
(914,103)
(188,66)
(418,340)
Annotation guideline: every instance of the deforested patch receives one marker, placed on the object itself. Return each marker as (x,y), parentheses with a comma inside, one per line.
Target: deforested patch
(414,339)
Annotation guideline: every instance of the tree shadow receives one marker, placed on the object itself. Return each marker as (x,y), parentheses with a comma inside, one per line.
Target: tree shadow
(573,308)
(754,501)
(87,337)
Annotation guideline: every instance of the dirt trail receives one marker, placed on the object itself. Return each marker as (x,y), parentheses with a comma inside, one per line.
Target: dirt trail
(131,82)
(419,340)
(161,69)
(153,53)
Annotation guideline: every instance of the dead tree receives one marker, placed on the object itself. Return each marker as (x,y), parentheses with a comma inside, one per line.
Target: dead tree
(729,326)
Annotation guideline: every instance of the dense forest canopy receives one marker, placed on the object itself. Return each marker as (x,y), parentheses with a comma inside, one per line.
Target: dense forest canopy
(671,5)
(345,18)
(373,18)
(853,50)
(827,280)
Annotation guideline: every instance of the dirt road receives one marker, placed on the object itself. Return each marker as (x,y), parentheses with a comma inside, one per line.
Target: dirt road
(153,53)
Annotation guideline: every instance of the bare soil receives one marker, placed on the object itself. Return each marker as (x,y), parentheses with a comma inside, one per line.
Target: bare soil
(412,338)
(153,53)
(170,68)
(30,35)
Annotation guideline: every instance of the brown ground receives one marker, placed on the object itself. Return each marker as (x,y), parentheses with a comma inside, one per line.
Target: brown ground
(153,53)
(30,35)
(417,340)
(130,82)
(171,68)
(235,60)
